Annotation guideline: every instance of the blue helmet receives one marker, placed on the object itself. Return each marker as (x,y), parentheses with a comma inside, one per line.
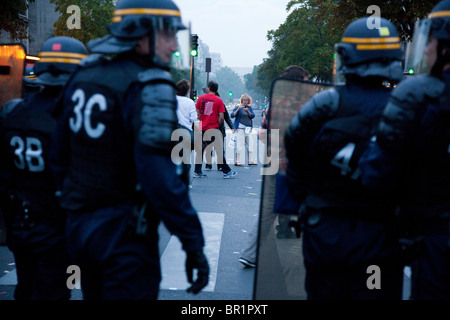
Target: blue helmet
(58,59)
(132,20)
(440,20)
(370,51)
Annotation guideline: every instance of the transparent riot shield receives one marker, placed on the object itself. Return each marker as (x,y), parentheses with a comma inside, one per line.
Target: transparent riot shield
(280,271)
(12,66)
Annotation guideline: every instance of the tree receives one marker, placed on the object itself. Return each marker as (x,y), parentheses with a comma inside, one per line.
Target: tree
(179,74)
(304,39)
(11,22)
(229,80)
(251,84)
(402,13)
(308,35)
(94,15)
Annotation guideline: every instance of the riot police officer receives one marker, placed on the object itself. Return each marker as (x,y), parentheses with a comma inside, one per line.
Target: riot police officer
(35,220)
(112,158)
(411,156)
(346,230)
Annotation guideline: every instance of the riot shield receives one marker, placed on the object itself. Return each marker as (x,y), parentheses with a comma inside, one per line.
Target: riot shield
(12,66)
(280,270)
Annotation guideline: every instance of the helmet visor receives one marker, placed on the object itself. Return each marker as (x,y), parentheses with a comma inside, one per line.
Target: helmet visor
(338,74)
(415,56)
(182,57)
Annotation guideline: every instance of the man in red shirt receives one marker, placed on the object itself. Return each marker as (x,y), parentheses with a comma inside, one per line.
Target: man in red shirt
(210,110)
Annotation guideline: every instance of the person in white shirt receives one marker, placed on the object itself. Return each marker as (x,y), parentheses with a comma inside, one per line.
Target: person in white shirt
(186,112)
(187,115)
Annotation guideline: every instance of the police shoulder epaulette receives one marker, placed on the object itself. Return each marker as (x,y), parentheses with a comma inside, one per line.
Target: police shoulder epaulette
(434,86)
(9,106)
(327,100)
(93,60)
(154,74)
(414,90)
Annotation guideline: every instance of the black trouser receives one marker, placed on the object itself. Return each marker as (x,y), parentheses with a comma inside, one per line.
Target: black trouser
(198,166)
(338,251)
(221,166)
(40,254)
(115,263)
(430,270)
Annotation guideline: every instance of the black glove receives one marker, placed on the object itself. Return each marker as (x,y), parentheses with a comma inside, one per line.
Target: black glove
(197,260)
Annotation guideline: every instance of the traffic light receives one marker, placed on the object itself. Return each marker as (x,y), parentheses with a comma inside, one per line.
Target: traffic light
(177,54)
(230,93)
(194,45)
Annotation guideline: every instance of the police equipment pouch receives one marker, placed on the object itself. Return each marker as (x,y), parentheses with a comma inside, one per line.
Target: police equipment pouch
(410,248)
(139,222)
(18,211)
(298,224)
(10,205)
(141,219)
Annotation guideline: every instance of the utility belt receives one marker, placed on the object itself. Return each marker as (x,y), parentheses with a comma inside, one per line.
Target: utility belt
(320,205)
(311,216)
(411,246)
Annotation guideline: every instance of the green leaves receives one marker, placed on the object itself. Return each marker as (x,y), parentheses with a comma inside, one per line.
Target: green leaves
(308,35)
(304,39)
(94,15)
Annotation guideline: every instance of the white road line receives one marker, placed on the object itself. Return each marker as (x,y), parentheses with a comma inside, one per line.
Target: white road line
(9,279)
(173,258)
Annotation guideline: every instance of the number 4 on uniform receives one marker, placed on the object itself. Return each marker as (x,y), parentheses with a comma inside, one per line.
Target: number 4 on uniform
(342,161)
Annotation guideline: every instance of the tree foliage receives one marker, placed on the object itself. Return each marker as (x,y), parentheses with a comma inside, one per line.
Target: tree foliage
(304,39)
(11,22)
(308,35)
(229,80)
(95,16)
(402,13)
(251,85)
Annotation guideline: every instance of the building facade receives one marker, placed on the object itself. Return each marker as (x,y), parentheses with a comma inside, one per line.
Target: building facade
(40,18)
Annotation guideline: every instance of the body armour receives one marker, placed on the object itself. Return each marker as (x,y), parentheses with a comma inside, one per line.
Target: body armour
(101,171)
(416,123)
(27,129)
(330,165)
(157,108)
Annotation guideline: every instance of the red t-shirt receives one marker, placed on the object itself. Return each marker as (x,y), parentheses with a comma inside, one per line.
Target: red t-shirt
(209,106)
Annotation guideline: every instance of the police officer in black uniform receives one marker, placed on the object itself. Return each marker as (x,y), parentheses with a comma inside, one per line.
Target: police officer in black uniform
(347,230)
(35,220)
(411,157)
(112,157)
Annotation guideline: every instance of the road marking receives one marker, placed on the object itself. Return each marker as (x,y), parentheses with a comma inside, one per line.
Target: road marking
(173,258)
(9,279)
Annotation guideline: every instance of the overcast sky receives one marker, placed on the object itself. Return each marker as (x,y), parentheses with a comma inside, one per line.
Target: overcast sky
(237,29)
